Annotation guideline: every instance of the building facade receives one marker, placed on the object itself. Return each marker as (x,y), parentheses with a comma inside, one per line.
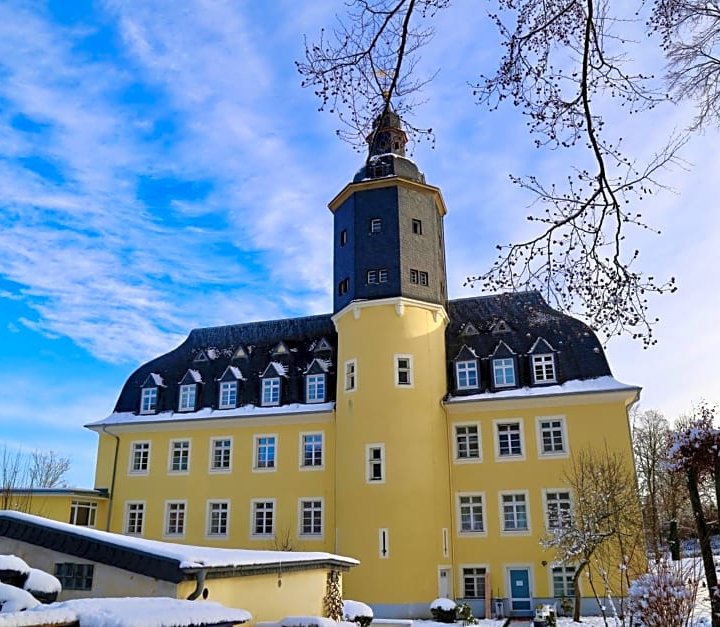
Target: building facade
(426,437)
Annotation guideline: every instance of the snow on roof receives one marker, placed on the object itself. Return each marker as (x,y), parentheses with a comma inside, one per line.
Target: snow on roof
(12,562)
(281,369)
(324,364)
(189,557)
(208,413)
(40,581)
(14,599)
(585,386)
(236,372)
(128,612)
(196,376)
(157,379)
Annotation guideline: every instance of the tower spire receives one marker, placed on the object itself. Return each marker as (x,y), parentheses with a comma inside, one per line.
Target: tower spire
(387,135)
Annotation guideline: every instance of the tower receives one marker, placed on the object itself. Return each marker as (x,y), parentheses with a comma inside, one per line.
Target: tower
(391,436)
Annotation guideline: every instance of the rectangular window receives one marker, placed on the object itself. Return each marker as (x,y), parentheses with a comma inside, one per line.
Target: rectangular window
(543,368)
(265,450)
(187,397)
(140,458)
(315,388)
(382,275)
(271,392)
(343,237)
(175,518)
(419,277)
(134,518)
(466,373)
(403,370)
(504,372)
(375,225)
(228,394)
(263,515)
(220,454)
(83,513)
(180,456)
(558,509)
(471,513)
(312,450)
(343,286)
(311,517)
(75,576)
(375,463)
(509,439)
(417,226)
(473,583)
(372,276)
(515,515)
(467,442)
(218,517)
(350,375)
(552,436)
(563,581)
(148,403)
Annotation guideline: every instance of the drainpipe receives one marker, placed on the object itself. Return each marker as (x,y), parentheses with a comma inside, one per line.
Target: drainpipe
(114,473)
(199,585)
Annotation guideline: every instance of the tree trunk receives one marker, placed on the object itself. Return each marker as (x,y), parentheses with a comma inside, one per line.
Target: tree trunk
(578,596)
(705,548)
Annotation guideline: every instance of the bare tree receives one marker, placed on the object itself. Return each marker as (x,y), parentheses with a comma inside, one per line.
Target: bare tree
(604,528)
(21,473)
(561,60)
(47,469)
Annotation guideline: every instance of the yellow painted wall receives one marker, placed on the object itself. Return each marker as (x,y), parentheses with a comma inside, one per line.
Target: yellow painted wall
(55,506)
(411,503)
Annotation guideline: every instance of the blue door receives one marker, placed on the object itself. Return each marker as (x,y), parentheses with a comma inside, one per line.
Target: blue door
(520,597)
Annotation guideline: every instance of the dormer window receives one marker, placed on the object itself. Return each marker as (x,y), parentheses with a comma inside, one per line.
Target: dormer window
(543,368)
(466,374)
(271,392)
(148,403)
(228,394)
(315,388)
(503,370)
(188,396)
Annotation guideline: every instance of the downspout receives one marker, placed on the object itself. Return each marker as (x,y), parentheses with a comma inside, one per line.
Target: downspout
(112,479)
(449,440)
(199,585)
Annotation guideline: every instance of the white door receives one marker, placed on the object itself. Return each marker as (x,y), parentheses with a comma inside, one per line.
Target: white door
(444,583)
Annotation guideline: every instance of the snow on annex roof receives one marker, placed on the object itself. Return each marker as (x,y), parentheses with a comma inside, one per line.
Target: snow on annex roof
(183,557)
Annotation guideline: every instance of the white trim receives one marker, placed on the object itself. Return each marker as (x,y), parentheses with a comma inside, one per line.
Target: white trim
(501,509)
(152,410)
(457,374)
(546,511)
(311,536)
(222,384)
(166,518)
(398,301)
(301,453)
(220,470)
(131,461)
(270,383)
(496,437)
(208,518)
(171,445)
(411,375)
(192,389)
(323,376)
(368,447)
(347,363)
(551,580)
(445,568)
(126,518)
(262,536)
(466,460)
(514,372)
(538,434)
(256,450)
(463,533)
(508,587)
(542,357)
(461,579)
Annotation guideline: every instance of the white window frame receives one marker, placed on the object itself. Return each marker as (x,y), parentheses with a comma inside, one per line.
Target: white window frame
(459,506)
(404,375)
(143,468)
(497,430)
(547,500)
(224,509)
(500,364)
(456,443)
(149,400)
(187,397)
(166,522)
(135,512)
(254,510)
(259,446)
(461,576)
(228,395)
(211,461)
(350,371)
(375,225)
(463,368)
(539,420)
(313,466)
(314,511)
(372,277)
(540,363)
(315,388)
(76,506)
(171,456)
(567,571)
(382,275)
(371,462)
(517,531)
(271,388)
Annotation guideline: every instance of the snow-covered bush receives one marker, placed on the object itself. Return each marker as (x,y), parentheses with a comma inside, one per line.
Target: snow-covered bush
(357,612)
(443,610)
(464,613)
(665,596)
(14,599)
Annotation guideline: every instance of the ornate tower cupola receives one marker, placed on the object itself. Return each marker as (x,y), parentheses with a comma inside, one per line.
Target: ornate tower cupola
(388,226)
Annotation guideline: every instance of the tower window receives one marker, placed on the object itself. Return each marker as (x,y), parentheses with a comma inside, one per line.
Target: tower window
(343,287)
(377,276)
(372,276)
(418,277)
(375,225)
(403,370)
(343,237)
(417,226)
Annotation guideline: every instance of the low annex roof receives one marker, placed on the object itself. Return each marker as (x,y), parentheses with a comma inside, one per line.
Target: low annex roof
(161,560)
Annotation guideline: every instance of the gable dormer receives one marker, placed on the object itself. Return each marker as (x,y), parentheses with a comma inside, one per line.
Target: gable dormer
(240,353)
(500,327)
(229,384)
(280,350)
(322,347)
(466,369)
(543,362)
(469,329)
(150,393)
(200,357)
(503,367)
(188,393)
(315,376)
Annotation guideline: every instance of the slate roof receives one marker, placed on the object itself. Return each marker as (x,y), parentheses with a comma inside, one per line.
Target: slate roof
(481,325)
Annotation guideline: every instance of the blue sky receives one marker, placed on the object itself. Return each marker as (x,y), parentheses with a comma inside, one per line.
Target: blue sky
(162,169)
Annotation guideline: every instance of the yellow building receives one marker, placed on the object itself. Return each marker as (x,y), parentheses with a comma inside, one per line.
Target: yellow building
(425,437)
